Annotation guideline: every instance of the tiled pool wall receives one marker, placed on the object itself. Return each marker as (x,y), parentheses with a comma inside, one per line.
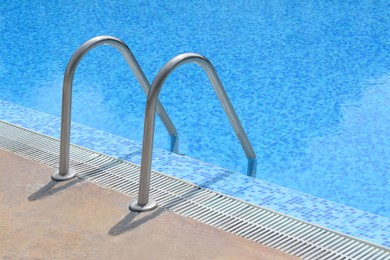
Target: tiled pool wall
(347,220)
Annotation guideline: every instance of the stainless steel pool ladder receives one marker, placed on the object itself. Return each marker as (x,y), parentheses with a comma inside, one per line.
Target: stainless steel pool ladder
(64,172)
(144,203)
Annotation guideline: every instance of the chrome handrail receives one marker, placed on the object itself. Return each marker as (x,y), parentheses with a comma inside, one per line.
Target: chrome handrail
(143,203)
(64,173)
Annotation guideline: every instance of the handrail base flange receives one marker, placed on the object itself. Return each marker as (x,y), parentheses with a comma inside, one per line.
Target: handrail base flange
(56,176)
(134,206)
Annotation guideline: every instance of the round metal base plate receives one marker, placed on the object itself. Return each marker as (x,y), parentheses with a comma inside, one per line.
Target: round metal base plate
(56,176)
(151,205)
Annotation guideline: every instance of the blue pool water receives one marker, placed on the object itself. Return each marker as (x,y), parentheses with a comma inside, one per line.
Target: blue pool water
(309,81)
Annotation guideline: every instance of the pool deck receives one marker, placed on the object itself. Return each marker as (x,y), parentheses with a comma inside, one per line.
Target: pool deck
(41,218)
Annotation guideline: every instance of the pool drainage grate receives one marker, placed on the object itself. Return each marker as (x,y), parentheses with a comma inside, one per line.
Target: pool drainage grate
(267,227)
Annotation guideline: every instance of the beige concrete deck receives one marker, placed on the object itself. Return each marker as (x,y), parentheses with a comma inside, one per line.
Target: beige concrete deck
(42,219)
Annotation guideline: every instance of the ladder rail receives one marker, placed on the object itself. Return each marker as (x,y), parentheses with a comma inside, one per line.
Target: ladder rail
(64,173)
(144,203)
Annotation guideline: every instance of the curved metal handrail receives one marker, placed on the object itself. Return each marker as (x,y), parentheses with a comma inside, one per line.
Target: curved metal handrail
(143,203)
(64,173)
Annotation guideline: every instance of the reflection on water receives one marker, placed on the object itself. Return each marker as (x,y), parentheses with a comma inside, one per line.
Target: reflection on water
(359,153)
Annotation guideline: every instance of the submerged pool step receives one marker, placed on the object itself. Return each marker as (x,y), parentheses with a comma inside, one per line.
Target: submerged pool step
(270,228)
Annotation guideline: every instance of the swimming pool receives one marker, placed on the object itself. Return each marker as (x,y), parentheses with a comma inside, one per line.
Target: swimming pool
(310,82)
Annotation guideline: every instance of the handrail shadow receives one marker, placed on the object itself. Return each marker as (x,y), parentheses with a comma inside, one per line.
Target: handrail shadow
(49,189)
(128,223)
